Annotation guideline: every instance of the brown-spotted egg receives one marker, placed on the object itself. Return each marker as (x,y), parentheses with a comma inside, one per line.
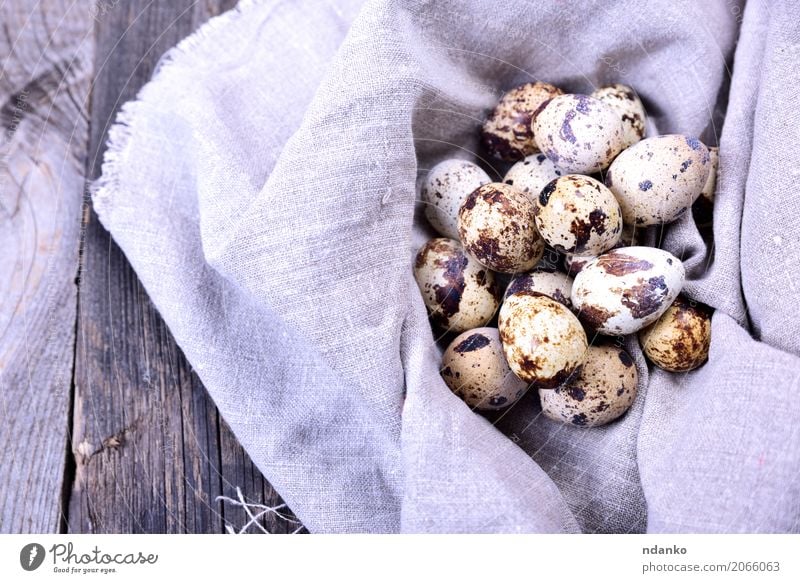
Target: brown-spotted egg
(543,341)
(445,188)
(532,174)
(459,292)
(624,290)
(577,214)
(574,263)
(474,368)
(578,133)
(544,281)
(680,339)
(507,132)
(602,391)
(629,108)
(496,226)
(659,178)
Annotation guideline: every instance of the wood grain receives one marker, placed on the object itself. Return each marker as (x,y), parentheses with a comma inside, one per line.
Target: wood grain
(46,51)
(151,453)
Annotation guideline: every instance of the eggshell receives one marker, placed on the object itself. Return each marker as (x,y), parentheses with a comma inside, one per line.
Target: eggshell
(474,368)
(574,263)
(459,292)
(507,132)
(658,179)
(496,226)
(532,174)
(680,339)
(704,205)
(445,188)
(629,108)
(602,391)
(544,281)
(624,290)
(578,133)
(577,214)
(542,340)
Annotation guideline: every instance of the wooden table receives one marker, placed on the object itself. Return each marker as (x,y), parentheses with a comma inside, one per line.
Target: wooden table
(103,425)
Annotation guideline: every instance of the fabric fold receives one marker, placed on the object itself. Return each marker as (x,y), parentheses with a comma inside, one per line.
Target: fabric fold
(263,186)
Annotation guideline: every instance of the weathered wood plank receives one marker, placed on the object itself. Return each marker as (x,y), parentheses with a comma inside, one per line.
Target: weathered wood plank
(151,453)
(46,54)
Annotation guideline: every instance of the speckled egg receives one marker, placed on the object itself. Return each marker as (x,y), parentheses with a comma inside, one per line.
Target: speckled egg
(459,292)
(629,108)
(573,263)
(496,226)
(602,391)
(474,368)
(680,339)
(532,174)
(445,188)
(543,341)
(549,282)
(507,132)
(658,179)
(704,205)
(579,133)
(624,290)
(577,214)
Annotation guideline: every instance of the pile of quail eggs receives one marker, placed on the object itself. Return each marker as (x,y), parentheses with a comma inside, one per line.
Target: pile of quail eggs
(551,252)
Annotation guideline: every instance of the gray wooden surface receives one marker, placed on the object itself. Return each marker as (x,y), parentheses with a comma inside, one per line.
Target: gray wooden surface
(105,428)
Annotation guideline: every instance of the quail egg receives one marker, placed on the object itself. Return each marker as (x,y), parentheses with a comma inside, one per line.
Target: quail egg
(496,226)
(577,214)
(459,292)
(656,180)
(507,132)
(579,133)
(543,341)
(602,391)
(573,263)
(624,290)
(474,368)
(445,188)
(545,281)
(532,174)
(628,106)
(680,339)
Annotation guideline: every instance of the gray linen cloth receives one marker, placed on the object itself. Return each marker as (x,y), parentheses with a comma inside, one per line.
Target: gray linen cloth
(263,186)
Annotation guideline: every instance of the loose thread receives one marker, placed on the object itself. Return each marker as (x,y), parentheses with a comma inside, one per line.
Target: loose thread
(254,519)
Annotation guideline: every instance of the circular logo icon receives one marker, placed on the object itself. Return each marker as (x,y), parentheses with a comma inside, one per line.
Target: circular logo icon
(31,556)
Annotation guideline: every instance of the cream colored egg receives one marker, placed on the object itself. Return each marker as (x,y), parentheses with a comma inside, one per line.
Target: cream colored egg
(578,133)
(532,174)
(459,292)
(628,107)
(680,339)
(624,290)
(445,188)
(496,226)
(602,391)
(658,179)
(507,132)
(573,263)
(542,340)
(544,281)
(474,368)
(577,214)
